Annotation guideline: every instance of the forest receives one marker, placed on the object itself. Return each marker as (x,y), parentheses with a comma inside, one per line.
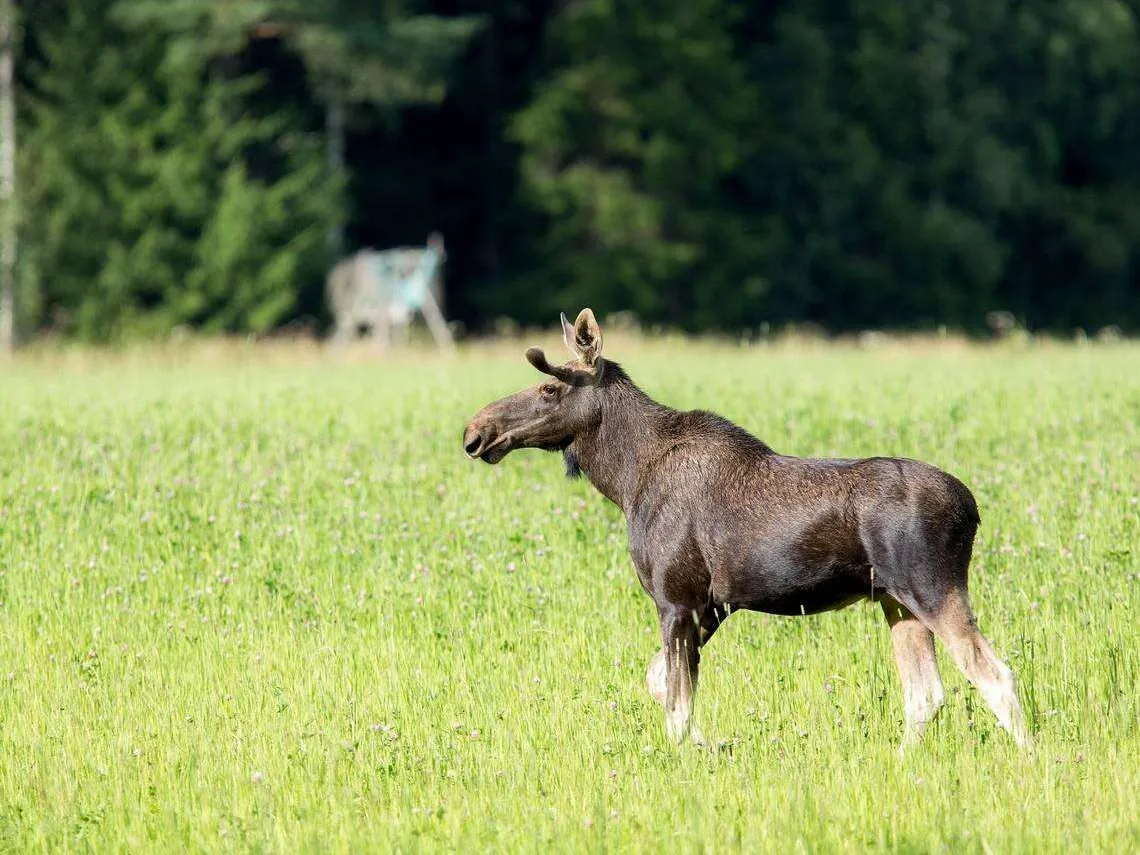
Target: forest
(707,166)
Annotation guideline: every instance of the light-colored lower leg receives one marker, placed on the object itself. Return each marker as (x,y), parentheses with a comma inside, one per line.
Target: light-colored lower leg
(677,720)
(923,694)
(655,680)
(994,681)
(982,667)
(655,676)
(680,686)
(681,656)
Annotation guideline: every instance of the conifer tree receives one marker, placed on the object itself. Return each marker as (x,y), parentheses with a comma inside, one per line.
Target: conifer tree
(143,212)
(355,52)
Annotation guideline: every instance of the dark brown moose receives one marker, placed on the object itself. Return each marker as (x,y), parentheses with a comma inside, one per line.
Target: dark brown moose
(719,522)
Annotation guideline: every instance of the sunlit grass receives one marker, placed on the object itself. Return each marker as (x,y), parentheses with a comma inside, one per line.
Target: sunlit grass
(259,600)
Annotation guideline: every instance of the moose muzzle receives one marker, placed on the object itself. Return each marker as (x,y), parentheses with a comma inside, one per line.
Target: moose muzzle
(474,441)
(483,442)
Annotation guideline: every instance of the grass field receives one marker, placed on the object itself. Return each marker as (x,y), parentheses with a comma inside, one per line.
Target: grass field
(260,601)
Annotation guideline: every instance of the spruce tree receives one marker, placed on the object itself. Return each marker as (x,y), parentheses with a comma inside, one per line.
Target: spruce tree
(142,212)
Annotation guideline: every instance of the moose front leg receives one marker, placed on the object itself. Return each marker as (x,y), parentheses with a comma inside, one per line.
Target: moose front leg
(657,674)
(655,677)
(680,641)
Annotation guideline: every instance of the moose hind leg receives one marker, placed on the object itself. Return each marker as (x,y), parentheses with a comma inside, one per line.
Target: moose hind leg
(923,694)
(956,626)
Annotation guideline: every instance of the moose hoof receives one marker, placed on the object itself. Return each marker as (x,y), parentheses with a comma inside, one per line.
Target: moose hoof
(677,726)
(680,732)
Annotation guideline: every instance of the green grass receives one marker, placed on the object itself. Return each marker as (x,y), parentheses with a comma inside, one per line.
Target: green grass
(264,603)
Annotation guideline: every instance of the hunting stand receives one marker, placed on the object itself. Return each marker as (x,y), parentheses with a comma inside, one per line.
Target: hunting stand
(375,294)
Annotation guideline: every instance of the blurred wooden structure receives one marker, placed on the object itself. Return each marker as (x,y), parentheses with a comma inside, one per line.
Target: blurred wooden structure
(375,294)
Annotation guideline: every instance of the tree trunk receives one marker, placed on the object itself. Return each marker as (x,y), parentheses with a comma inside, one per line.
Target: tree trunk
(334,153)
(492,151)
(7,180)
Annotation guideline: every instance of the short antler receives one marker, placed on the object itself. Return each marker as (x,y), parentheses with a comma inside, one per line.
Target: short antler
(572,376)
(536,357)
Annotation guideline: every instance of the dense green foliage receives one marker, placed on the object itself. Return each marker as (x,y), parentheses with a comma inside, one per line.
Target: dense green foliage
(269,606)
(144,206)
(853,163)
(711,165)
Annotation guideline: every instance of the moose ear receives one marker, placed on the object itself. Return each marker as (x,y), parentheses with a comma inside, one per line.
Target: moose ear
(584,338)
(568,335)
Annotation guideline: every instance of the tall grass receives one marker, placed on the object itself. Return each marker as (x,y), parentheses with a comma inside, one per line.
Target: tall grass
(266,604)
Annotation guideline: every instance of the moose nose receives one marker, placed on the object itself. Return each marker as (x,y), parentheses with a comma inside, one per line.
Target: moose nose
(472,441)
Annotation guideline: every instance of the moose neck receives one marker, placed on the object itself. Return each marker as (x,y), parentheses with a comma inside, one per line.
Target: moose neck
(613,452)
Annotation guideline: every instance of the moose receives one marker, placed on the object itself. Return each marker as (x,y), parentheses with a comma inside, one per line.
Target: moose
(719,522)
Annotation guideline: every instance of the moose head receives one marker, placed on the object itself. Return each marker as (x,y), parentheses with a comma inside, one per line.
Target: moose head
(547,416)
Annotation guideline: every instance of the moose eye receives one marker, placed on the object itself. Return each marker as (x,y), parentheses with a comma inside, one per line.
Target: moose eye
(549,390)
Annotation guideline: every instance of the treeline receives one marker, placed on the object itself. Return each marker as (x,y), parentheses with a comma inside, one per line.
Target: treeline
(708,165)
